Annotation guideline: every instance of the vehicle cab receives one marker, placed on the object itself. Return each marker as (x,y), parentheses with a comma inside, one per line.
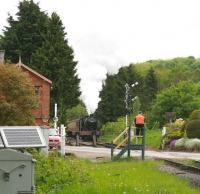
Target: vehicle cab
(54,138)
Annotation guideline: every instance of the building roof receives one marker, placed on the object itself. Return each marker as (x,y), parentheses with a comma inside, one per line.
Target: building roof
(21,65)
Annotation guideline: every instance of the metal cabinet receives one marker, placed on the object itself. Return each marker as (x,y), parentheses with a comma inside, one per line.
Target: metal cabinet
(16,172)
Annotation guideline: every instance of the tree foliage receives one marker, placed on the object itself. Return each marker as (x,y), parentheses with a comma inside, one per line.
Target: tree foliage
(112,103)
(181,98)
(136,107)
(195,114)
(170,72)
(150,88)
(56,61)
(41,41)
(154,77)
(76,112)
(17,97)
(25,34)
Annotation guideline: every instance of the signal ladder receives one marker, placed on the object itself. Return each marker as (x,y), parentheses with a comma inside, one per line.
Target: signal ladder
(124,140)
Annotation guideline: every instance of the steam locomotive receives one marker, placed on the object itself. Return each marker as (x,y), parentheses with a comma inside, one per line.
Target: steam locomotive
(85,127)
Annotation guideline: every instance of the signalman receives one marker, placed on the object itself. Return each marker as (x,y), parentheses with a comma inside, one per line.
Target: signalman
(139,123)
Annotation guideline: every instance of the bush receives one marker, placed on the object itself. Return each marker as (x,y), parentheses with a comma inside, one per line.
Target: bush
(178,124)
(172,143)
(195,114)
(192,144)
(114,127)
(180,143)
(173,135)
(193,129)
(17,97)
(54,173)
(187,144)
(181,98)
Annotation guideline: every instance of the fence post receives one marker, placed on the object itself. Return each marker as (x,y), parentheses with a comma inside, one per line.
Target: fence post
(112,150)
(143,143)
(62,147)
(129,141)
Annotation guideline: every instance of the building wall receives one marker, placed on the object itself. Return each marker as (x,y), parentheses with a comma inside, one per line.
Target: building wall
(42,89)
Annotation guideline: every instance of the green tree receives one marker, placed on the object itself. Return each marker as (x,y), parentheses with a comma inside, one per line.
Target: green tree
(136,107)
(112,103)
(42,43)
(107,105)
(76,112)
(17,97)
(25,34)
(182,98)
(56,61)
(150,88)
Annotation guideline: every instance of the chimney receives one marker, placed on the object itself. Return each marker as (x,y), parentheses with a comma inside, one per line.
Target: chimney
(2,53)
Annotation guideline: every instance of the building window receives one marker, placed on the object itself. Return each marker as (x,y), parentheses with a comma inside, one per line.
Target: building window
(37,90)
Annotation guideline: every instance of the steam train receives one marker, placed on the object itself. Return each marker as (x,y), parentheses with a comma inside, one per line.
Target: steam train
(85,128)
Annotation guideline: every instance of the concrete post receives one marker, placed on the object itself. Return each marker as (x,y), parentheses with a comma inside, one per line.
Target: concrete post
(45,132)
(164,131)
(62,147)
(55,116)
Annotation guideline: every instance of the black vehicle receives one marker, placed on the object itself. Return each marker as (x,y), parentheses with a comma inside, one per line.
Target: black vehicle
(85,127)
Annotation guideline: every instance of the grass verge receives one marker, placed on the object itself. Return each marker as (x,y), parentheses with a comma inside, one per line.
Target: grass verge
(58,175)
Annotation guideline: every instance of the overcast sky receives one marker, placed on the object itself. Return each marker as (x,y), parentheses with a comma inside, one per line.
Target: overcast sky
(108,34)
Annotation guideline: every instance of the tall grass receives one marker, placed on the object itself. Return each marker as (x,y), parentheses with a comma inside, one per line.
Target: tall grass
(153,138)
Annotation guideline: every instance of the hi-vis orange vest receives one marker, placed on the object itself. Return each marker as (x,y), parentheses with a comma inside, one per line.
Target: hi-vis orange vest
(139,119)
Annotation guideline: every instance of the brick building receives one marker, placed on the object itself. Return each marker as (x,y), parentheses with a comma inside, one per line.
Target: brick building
(42,87)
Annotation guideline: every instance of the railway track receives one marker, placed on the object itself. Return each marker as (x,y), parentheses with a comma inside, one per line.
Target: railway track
(197,163)
(189,171)
(185,167)
(72,141)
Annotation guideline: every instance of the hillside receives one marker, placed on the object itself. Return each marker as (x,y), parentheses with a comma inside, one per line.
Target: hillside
(154,77)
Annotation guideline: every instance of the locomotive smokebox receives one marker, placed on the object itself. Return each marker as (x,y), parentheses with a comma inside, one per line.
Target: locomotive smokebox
(90,123)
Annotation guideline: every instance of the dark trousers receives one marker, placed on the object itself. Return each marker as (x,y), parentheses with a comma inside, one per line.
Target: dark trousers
(139,129)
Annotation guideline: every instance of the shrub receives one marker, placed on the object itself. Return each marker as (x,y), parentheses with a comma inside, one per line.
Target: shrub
(178,124)
(173,135)
(195,114)
(187,144)
(54,173)
(181,98)
(172,143)
(193,129)
(180,143)
(183,128)
(192,144)
(114,127)
(17,97)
